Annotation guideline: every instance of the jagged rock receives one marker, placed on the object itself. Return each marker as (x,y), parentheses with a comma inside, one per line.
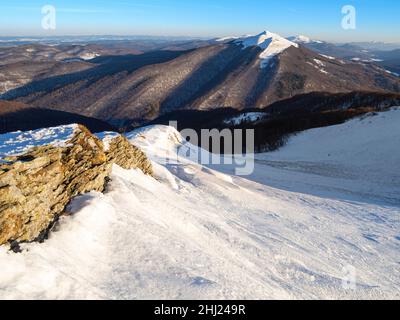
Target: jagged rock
(36,187)
(127,156)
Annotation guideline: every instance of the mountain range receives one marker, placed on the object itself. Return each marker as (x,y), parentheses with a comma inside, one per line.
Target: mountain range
(386,55)
(240,73)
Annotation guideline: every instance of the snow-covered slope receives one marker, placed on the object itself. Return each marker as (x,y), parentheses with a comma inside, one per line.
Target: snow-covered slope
(363,141)
(16,143)
(271,44)
(361,157)
(192,232)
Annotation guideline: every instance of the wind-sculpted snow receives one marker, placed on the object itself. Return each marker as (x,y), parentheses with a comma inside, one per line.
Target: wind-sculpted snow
(301,231)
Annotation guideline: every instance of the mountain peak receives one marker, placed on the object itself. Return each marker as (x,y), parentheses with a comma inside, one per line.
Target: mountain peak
(263,39)
(271,43)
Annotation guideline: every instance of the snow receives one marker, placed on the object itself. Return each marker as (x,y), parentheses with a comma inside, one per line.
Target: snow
(324,205)
(247,117)
(89,55)
(107,137)
(229,38)
(323,71)
(362,150)
(302,39)
(366,60)
(392,73)
(319,66)
(373,129)
(319,62)
(167,140)
(17,143)
(327,57)
(271,44)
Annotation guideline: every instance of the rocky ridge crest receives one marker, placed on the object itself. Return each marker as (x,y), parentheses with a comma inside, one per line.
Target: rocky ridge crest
(36,187)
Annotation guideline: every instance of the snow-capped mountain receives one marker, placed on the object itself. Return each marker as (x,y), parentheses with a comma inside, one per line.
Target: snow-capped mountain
(271,44)
(320,209)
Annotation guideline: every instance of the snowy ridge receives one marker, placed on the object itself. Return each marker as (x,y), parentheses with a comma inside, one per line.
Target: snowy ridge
(167,140)
(271,44)
(300,39)
(228,38)
(17,143)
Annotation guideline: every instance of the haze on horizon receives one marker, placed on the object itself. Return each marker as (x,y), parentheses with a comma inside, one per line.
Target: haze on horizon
(376,21)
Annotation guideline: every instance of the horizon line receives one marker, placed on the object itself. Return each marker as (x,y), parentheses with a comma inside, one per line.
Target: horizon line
(194,37)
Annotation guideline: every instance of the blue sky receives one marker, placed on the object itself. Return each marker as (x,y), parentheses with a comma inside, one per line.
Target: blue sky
(376,20)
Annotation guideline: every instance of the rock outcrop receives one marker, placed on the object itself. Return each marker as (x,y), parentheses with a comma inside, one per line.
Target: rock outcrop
(36,187)
(127,156)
